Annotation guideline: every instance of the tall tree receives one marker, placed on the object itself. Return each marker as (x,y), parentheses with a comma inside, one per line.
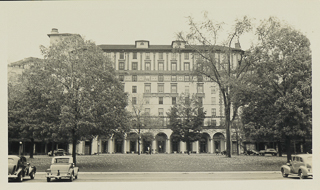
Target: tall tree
(282,58)
(186,118)
(93,100)
(219,62)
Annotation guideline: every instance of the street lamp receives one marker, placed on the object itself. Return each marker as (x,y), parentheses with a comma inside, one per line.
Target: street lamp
(20,148)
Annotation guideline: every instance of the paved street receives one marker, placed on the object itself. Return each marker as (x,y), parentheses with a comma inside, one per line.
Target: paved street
(166,176)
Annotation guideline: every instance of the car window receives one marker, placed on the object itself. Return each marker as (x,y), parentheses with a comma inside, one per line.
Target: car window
(301,160)
(62,160)
(293,158)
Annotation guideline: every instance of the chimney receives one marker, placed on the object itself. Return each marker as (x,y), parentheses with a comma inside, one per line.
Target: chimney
(237,45)
(54,31)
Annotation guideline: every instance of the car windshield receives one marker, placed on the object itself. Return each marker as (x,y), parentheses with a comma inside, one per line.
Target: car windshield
(61,160)
(11,161)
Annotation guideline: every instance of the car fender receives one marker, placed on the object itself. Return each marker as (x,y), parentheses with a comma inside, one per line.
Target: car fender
(286,169)
(32,169)
(304,170)
(76,170)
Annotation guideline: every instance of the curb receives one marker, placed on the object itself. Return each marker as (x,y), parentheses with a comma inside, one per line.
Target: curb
(134,173)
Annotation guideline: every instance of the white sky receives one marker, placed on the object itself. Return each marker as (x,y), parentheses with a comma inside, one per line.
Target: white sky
(123,22)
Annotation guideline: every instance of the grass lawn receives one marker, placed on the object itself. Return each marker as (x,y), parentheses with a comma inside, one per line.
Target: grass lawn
(167,163)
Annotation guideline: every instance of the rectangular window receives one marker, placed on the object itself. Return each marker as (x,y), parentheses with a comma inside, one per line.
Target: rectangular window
(148,66)
(160,100)
(147,88)
(213,112)
(200,88)
(147,111)
(173,78)
(134,100)
(121,55)
(121,65)
(160,111)
(213,90)
(160,78)
(186,78)
(134,56)
(121,77)
(148,55)
(173,66)
(186,100)
(213,100)
(200,101)
(123,87)
(160,88)
(134,89)
(161,66)
(173,88)
(134,66)
(186,66)
(174,56)
(186,56)
(134,78)
(199,78)
(186,89)
(174,100)
(161,55)
(147,100)
(213,122)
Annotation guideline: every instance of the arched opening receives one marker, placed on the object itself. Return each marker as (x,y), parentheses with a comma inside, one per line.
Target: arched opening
(204,143)
(175,142)
(218,142)
(118,142)
(147,139)
(132,138)
(161,139)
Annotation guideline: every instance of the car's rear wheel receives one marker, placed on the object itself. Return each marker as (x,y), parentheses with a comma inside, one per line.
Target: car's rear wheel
(71,178)
(48,179)
(32,175)
(20,178)
(283,174)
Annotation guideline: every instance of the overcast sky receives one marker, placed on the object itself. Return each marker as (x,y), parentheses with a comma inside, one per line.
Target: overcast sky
(123,22)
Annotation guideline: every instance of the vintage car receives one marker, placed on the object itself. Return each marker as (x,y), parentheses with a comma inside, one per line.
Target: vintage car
(252,152)
(18,168)
(271,151)
(59,152)
(300,165)
(62,167)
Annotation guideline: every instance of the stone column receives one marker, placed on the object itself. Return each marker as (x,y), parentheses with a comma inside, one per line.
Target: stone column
(124,148)
(182,147)
(168,146)
(211,146)
(34,148)
(197,147)
(153,146)
(110,145)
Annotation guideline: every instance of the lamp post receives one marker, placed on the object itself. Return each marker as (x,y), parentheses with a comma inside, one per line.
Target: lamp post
(20,148)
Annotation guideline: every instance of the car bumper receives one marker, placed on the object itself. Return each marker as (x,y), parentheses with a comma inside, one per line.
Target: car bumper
(12,176)
(61,176)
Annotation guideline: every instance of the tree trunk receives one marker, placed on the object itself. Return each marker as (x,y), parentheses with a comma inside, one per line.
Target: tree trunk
(31,148)
(280,149)
(74,146)
(288,147)
(228,129)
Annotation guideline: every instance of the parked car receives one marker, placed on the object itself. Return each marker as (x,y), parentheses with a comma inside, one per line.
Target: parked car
(59,152)
(252,152)
(300,165)
(271,151)
(18,168)
(62,167)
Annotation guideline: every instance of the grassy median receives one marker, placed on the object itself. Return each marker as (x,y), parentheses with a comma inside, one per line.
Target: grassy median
(167,163)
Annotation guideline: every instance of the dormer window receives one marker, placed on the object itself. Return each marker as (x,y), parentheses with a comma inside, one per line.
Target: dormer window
(142,44)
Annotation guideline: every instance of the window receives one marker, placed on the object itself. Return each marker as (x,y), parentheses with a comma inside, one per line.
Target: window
(160,78)
(213,112)
(213,100)
(160,100)
(173,78)
(186,89)
(186,78)
(123,85)
(160,111)
(186,66)
(134,100)
(161,66)
(174,56)
(148,55)
(173,88)
(122,55)
(199,78)
(147,111)
(186,56)
(121,65)
(160,88)
(174,100)
(186,100)
(200,88)
(148,66)
(200,101)
(174,66)
(134,78)
(134,89)
(213,90)
(213,122)
(161,55)
(134,66)
(147,88)
(147,100)
(121,78)
(134,56)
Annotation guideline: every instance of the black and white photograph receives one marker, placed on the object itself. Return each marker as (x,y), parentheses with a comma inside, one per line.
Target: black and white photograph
(160,94)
